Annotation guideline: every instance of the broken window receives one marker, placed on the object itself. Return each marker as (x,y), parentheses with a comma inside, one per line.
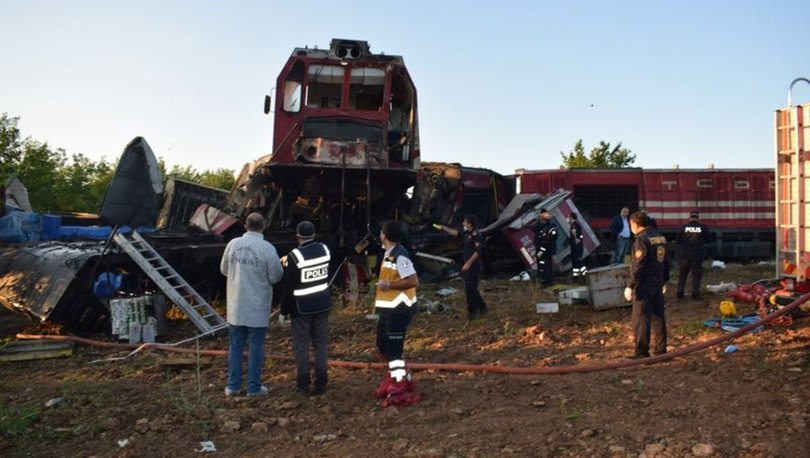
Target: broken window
(366,89)
(292,88)
(400,117)
(325,86)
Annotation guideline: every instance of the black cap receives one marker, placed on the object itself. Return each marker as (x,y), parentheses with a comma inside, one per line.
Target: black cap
(543,210)
(305,230)
(694,214)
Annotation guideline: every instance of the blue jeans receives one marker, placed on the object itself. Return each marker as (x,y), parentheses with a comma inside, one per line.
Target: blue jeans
(255,338)
(621,250)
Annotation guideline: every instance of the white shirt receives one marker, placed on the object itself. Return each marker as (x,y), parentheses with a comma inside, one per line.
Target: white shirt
(625,233)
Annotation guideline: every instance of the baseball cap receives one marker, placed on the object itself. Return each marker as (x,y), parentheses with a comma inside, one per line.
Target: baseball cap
(305,229)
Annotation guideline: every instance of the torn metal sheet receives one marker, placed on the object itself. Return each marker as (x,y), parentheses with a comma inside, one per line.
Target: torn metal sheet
(16,195)
(182,198)
(209,219)
(53,281)
(132,196)
(517,223)
(42,280)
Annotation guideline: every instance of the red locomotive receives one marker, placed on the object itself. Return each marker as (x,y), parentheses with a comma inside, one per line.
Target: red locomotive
(345,142)
(738,205)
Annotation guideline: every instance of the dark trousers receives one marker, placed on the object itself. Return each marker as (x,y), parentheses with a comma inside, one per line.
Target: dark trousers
(576,258)
(475,303)
(684,267)
(314,329)
(545,268)
(648,312)
(391,334)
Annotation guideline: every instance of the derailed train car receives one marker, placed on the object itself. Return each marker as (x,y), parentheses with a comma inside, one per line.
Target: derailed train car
(345,145)
(738,205)
(345,155)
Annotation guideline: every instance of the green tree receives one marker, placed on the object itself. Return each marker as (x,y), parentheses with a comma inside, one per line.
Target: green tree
(10,146)
(221,178)
(84,183)
(57,182)
(218,178)
(601,157)
(40,170)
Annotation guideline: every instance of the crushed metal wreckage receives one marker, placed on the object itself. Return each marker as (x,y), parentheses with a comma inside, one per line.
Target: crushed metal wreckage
(346,156)
(54,280)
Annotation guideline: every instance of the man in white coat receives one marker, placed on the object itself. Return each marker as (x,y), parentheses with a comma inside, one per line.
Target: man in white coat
(252,267)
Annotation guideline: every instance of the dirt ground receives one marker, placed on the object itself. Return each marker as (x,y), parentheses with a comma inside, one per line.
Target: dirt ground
(749,403)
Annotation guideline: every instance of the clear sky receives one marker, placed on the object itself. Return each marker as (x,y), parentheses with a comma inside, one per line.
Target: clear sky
(501,84)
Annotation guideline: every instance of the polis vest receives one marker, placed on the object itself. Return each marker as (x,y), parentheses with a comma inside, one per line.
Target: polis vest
(311,290)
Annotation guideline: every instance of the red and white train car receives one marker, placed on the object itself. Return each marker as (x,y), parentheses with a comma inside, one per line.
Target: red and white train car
(736,204)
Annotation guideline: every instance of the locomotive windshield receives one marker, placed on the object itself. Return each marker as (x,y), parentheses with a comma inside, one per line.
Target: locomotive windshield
(366,89)
(324,88)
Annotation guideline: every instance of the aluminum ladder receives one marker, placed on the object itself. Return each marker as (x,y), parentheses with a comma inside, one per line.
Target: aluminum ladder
(199,311)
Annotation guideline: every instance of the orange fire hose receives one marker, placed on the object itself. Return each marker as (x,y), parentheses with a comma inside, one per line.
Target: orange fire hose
(536,370)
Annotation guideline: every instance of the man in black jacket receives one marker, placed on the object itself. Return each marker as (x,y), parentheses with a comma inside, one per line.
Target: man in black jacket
(471,267)
(307,300)
(545,244)
(645,286)
(692,239)
(575,241)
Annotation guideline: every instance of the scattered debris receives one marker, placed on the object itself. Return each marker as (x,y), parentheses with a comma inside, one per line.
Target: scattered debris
(547,307)
(431,307)
(54,402)
(123,442)
(722,287)
(523,276)
(444,292)
(206,446)
(730,349)
(38,349)
(716,264)
(580,294)
(733,324)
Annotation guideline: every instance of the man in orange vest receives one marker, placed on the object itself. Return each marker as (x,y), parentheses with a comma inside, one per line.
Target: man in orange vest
(396,305)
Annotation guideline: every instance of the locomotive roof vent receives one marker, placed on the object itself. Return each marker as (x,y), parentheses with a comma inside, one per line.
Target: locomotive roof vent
(348,49)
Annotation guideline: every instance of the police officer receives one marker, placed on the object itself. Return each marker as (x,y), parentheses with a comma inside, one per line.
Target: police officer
(471,269)
(307,300)
(692,239)
(395,302)
(545,243)
(645,286)
(575,238)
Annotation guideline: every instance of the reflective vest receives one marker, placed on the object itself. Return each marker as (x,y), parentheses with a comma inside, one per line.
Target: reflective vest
(311,292)
(395,300)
